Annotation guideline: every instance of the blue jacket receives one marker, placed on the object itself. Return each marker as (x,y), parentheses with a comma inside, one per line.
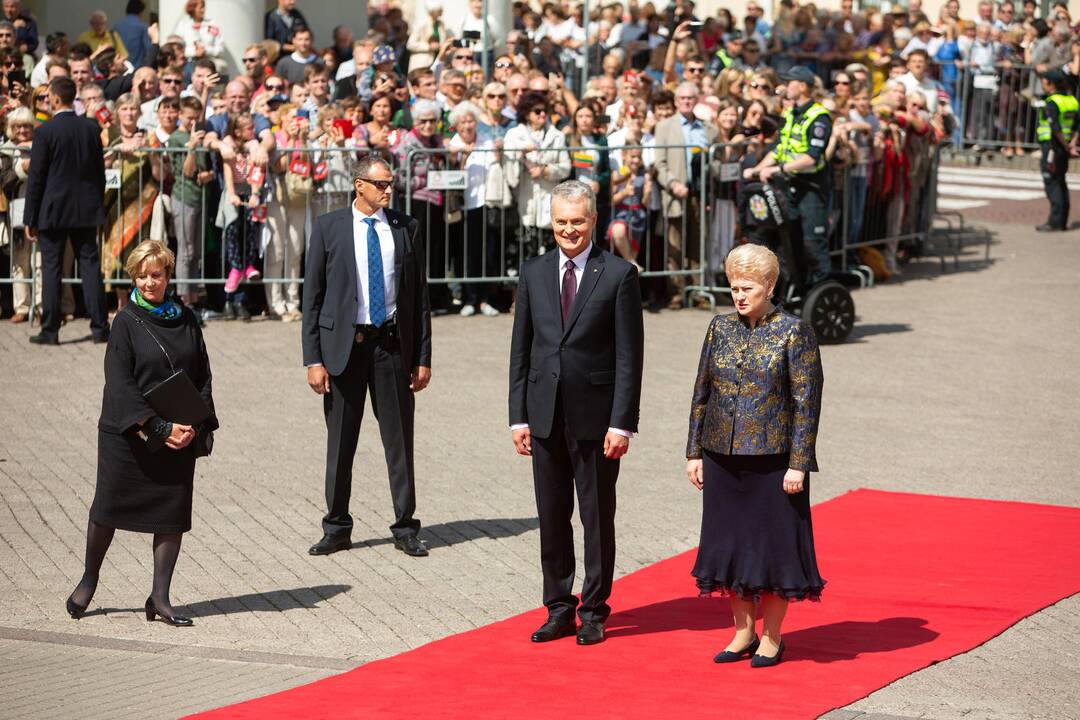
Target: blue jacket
(758,392)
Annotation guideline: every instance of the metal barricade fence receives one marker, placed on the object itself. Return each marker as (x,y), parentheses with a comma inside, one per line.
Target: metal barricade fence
(995,108)
(144,200)
(483,215)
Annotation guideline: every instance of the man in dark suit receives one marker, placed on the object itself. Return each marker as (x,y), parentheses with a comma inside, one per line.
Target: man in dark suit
(575,389)
(65,195)
(367,325)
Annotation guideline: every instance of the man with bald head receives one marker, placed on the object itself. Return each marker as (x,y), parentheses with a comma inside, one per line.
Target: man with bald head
(238,100)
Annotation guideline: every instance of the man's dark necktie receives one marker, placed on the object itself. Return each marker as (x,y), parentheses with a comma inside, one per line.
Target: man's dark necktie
(569,290)
(376,284)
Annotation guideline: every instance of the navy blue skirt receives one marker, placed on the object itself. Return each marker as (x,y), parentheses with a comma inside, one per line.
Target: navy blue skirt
(755,538)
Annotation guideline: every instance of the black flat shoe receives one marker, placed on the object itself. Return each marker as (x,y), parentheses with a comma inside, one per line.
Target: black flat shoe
(759,661)
(75,610)
(411,545)
(590,633)
(43,339)
(175,620)
(330,544)
(730,656)
(554,629)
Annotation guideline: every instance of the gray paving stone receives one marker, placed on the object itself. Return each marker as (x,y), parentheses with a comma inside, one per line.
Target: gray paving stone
(952,384)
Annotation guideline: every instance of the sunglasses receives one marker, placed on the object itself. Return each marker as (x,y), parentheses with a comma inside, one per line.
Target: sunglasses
(426,121)
(463,57)
(170,81)
(695,70)
(756,86)
(381,185)
(841,82)
(274,87)
(497,96)
(503,65)
(539,111)
(249,61)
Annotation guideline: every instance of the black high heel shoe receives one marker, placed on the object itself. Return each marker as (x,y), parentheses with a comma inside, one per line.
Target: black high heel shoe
(74,609)
(762,661)
(729,656)
(175,620)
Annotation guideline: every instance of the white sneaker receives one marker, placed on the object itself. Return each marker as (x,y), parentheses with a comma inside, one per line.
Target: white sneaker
(467,311)
(488,311)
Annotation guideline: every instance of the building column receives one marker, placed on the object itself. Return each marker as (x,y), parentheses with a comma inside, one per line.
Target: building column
(241,23)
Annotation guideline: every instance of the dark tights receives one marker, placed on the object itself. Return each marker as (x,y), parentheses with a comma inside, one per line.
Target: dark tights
(166,552)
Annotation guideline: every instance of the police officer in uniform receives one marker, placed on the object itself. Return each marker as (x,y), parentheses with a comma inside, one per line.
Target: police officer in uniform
(800,154)
(1056,133)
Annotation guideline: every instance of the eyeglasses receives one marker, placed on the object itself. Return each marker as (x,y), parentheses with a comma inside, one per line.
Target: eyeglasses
(463,57)
(249,61)
(503,65)
(380,185)
(496,96)
(170,81)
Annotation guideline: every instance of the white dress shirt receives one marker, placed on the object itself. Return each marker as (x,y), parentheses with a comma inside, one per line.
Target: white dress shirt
(386,244)
(579,261)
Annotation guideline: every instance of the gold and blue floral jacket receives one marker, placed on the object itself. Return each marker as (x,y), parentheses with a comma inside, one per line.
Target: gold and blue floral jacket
(758,392)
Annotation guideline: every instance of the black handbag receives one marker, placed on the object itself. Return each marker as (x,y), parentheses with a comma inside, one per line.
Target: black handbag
(176,399)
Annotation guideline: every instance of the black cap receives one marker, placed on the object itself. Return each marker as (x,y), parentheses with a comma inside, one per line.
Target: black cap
(1055,76)
(801,73)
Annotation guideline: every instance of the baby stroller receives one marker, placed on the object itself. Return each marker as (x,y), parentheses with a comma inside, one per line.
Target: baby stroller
(766,219)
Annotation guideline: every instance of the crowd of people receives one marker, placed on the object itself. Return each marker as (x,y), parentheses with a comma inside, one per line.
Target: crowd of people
(230,171)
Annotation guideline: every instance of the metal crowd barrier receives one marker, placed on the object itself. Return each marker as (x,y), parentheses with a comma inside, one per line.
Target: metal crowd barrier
(996,109)
(475,242)
(482,238)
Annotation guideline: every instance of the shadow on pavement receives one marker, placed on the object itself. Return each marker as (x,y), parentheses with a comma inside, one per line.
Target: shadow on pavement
(864,331)
(272,601)
(459,531)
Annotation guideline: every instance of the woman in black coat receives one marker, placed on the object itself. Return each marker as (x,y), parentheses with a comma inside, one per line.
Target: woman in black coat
(146,464)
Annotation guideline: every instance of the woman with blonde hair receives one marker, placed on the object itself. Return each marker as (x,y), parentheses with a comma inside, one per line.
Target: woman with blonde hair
(729,85)
(145,462)
(750,450)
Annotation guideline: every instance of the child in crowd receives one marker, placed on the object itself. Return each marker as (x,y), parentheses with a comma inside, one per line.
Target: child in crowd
(191,167)
(244,186)
(630,186)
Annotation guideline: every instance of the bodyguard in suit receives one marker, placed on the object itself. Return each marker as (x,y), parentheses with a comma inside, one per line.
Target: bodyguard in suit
(367,327)
(575,389)
(65,195)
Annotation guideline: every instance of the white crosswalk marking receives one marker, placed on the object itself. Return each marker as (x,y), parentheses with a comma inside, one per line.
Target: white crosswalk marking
(967,188)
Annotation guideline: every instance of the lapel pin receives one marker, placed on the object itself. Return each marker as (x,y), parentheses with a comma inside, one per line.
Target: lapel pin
(594,269)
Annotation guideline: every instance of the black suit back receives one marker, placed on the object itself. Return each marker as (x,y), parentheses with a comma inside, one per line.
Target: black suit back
(593,364)
(330,286)
(66,184)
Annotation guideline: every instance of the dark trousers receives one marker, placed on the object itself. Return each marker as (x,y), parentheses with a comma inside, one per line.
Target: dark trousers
(559,464)
(1054,167)
(376,365)
(809,233)
(84,242)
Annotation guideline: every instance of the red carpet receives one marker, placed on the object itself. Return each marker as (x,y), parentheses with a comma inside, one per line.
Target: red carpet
(912,580)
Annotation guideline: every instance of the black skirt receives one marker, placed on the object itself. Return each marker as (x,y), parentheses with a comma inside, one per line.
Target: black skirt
(755,538)
(142,491)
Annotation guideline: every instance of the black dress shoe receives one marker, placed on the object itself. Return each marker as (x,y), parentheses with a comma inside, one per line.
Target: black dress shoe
(411,545)
(75,610)
(100,339)
(763,661)
(330,544)
(729,656)
(590,633)
(555,628)
(43,339)
(174,620)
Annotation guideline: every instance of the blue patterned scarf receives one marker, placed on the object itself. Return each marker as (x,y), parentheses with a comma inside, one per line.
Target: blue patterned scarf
(168,310)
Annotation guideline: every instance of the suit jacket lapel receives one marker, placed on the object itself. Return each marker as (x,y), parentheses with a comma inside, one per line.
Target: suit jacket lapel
(553,280)
(398,233)
(344,234)
(594,268)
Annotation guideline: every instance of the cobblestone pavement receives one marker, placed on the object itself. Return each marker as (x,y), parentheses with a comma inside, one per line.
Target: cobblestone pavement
(959,383)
